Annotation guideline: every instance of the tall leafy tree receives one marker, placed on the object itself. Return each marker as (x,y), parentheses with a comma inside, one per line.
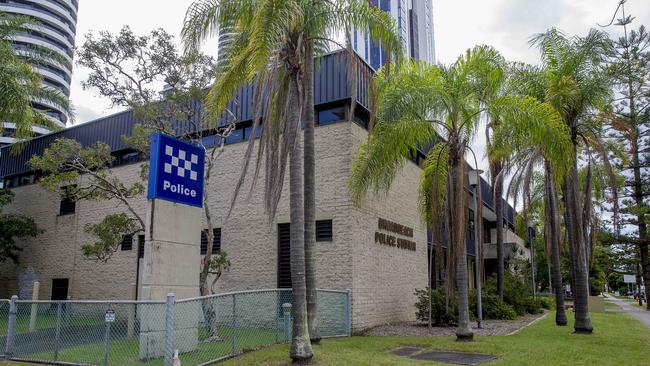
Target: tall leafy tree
(421,104)
(576,85)
(271,44)
(20,83)
(12,227)
(530,81)
(630,123)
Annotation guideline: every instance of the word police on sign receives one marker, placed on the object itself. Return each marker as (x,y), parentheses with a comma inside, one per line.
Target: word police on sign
(109,316)
(176,171)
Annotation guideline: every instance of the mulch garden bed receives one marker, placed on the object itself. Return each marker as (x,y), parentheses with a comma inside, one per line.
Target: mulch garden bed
(416,329)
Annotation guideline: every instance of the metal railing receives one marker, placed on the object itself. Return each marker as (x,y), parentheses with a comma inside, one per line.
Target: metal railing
(201,330)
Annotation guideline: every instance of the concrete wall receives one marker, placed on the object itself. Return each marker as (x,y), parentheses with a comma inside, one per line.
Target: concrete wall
(382,279)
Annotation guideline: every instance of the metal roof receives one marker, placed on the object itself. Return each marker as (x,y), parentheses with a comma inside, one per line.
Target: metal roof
(331,85)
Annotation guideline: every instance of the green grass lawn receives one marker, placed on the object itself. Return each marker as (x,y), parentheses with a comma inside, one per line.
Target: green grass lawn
(125,351)
(44,321)
(618,339)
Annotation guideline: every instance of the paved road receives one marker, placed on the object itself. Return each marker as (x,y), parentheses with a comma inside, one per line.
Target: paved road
(640,313)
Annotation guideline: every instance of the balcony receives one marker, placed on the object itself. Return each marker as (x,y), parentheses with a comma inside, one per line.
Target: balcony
(513,246)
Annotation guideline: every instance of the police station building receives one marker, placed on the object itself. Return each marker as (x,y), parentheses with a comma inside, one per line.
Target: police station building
(378,251)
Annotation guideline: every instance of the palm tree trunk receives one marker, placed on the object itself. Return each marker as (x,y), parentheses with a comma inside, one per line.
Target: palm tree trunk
(300,345)
(498,207)
(553,221)
(457,239)
(574,224)
(310,191)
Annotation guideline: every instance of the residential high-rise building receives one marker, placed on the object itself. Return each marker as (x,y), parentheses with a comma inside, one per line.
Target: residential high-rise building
(55,29)
(414,20)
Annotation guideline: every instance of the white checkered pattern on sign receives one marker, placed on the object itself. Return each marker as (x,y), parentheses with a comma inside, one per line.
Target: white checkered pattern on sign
(180,163)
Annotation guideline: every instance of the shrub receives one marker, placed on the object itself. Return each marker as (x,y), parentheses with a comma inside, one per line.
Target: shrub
(493,308)
(440,313)
(547,302)
(516,293)
(534,306)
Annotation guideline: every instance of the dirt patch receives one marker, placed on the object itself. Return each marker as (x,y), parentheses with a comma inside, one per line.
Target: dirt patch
(490,328)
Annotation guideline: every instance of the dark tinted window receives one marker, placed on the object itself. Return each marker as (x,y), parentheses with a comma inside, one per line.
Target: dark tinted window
(324,230)
(68,204)
(236,136)
(127,242)
(331,115)
(216,242)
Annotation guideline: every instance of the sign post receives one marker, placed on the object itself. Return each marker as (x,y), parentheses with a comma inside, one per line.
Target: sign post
(172,240)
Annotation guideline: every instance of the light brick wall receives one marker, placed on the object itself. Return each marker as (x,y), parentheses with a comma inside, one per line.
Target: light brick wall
(382,279)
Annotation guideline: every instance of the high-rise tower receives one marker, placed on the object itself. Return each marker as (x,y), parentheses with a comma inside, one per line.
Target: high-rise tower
(55,29)
(414,20)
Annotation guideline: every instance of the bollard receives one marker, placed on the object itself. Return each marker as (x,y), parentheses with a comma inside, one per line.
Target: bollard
(68,311)
(348,311)
(57,334)
(130,319)
(107,336)
(34,311)
(234,324)
(11,327)
(286,313)
(169,330)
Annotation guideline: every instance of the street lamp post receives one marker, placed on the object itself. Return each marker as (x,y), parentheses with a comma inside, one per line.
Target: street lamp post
(474,178)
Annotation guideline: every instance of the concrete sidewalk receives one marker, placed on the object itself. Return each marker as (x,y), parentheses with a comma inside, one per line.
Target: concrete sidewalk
(640,313)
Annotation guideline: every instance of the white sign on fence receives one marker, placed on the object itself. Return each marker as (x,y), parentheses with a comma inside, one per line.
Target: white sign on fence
(109,317)
(629,278)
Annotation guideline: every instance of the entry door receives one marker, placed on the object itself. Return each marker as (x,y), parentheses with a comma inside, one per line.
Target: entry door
(60,288)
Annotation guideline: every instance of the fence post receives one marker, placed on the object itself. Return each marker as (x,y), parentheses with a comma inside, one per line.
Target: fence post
(11,327)
(286,315)
(68,311)
(34,310)
(169,329)
(57,334)
(348,311)
(234,324)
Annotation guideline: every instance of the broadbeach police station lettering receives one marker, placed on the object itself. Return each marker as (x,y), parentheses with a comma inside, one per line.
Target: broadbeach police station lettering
(391,240)
(176,171)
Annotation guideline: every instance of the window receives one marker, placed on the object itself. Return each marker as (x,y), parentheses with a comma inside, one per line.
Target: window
(324,230)
(236,136)
(247,132)
(331,115)
(284,256)
(140,246)
(470,225)
(216,241)
(127,242)
(68,204)
(211,141)
(487,231)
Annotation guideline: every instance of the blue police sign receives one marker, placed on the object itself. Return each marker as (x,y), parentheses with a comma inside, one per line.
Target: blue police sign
(176,171)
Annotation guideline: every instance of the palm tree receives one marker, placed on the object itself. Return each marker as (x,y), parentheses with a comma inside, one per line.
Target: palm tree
(421,104)
(20,83)
(530,81)
(271,44)
(576,85)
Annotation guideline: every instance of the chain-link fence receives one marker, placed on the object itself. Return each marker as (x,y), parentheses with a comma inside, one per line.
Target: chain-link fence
(202,329)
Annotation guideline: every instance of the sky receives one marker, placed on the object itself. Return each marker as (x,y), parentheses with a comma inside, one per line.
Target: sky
(459,24)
